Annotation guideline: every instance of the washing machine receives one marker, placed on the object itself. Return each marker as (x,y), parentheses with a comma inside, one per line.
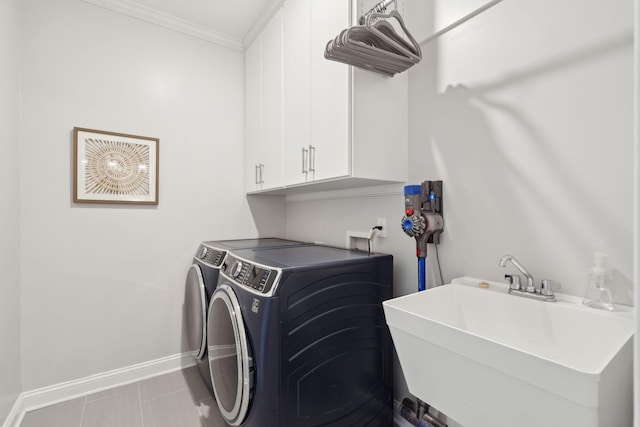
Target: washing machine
(300,338)
(201,281)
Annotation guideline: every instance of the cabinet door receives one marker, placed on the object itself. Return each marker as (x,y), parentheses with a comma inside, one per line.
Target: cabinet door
(297,88)
(272,172)
(330,93)
(253,114)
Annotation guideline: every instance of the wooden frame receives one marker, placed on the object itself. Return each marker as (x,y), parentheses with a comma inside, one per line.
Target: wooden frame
(110,167)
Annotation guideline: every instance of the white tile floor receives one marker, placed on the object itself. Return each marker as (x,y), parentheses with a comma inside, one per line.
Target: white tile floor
(176,399)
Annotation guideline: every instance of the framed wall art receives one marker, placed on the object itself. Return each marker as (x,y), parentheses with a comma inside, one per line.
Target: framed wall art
(112,167)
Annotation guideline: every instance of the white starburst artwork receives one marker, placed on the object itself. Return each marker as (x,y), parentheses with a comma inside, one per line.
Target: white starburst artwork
(115,168)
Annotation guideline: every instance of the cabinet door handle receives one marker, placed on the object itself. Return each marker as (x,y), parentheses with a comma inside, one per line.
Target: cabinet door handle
(304,160)
(261,169)
(257,181)
(312,158)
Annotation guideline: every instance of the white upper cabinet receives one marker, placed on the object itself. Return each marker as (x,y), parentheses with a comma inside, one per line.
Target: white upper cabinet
(253,115)
(297,90)
(316,93)
(339,127)
(264,102)
(329,155)
(272,103)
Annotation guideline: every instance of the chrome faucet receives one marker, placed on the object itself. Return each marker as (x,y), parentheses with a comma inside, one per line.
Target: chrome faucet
(545,293)
(503,263)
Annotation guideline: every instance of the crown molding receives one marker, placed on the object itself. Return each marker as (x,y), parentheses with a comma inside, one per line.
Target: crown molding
(171,22)
(263,19)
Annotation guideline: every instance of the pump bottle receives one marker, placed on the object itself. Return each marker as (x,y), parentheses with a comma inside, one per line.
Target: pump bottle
(598,293)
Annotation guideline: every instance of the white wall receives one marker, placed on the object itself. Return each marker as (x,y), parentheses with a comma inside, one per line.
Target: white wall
(637,214)
(10,385)
(103,285)
(526,113)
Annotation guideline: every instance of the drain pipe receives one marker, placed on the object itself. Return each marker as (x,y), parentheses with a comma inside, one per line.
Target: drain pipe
(418,415)
(423,408)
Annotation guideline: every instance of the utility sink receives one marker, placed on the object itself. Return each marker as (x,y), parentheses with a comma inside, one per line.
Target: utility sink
(487,358)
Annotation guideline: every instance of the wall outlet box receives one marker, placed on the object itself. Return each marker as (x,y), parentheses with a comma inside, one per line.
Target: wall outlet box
(382,222)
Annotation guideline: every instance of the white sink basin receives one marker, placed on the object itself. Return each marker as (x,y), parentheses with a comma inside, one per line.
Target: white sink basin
(487,358)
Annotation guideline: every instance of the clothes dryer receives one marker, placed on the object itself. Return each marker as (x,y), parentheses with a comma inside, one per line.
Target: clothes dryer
(201,281)
(300,338)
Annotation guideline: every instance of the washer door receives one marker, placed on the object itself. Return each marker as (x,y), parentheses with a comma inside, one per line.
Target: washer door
(195,305)
(230,359)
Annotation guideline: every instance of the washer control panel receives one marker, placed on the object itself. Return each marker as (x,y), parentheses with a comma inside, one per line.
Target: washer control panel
(251,275)
(210,256)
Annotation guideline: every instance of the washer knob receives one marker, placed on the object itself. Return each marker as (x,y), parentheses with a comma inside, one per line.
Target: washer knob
(236,268)
(204,252)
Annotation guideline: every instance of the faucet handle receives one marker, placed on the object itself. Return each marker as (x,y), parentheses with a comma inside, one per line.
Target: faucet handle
(513,280)
(548,286)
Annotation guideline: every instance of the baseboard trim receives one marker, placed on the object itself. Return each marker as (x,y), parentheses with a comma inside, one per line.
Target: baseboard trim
(50,395)
(15,414)
(45,396)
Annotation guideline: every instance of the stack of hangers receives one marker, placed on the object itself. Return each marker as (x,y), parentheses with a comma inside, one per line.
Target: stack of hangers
(376,45)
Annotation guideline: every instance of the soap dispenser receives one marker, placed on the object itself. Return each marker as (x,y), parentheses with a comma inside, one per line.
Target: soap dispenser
(598,294)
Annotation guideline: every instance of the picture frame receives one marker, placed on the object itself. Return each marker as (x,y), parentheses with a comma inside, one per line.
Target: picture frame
(112,167)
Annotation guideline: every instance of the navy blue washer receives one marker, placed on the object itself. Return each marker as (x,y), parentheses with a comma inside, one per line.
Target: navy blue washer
(301,338)
(201,282)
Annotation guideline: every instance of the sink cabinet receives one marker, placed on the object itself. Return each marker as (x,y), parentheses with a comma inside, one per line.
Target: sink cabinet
(339,127)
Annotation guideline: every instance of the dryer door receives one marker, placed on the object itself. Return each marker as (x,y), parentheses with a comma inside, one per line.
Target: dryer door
(230,358)
(195,306)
